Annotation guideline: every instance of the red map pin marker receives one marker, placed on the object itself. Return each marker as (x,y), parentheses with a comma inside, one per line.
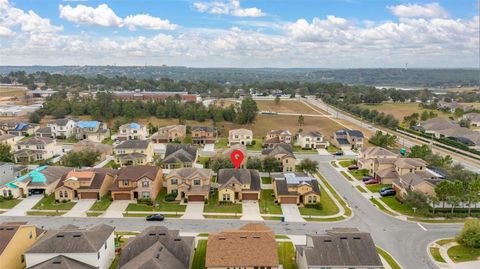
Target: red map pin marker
(237,158)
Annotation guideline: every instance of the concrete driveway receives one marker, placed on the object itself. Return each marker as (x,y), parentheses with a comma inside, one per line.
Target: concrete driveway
(250,211)
(323,152)
(349,152)
(291,213)
(194,210)
(80,209)
(116,209)
(209,147)
(25,205)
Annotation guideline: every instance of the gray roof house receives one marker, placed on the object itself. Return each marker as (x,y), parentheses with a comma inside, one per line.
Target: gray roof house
(62,262)
(339,248)
(157,248)
(243,183)
(179,155)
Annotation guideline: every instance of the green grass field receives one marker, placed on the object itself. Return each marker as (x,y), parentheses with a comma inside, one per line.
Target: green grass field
(200,253)
(286,255)
(435,252)
(377,187)
(463,254)
(7,204)
(102,204)
(214,206)
(267,204)
(394,204)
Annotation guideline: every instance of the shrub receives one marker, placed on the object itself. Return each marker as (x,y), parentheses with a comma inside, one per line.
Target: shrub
(225,203)
(206,201)
(170,197)
(470,234)
(185,200)
(145,201)
(318,206)
(254,142)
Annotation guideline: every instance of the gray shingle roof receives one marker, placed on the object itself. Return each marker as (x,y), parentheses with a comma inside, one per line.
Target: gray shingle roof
(244,176)
(176,153)
(279,149)
(62,262)
(133,144)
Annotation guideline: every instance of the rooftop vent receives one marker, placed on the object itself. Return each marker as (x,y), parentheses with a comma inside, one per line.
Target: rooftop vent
(177,239)
(9,229)
(152,234)
(77,235)
(243,237)
(358,238)
(343,238)
(57,262)
(162,234)
(327,240)
(221,238)
(60,235)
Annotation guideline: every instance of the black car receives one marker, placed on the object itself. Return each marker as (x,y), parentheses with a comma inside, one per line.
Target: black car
(338,153)
(388,192)
(385,188)
(366,178)
(155,217)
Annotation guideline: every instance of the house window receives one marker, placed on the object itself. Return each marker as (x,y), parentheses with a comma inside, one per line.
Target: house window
(61,194)
(65,194)
(30,235)
(310,200)
(145,184)
(98,255)
(174,181)
(146,194)
(226,197)
(125,183)
(22,258)
(196,182)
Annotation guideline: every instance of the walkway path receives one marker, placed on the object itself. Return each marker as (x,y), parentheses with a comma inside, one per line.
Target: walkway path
(25,205)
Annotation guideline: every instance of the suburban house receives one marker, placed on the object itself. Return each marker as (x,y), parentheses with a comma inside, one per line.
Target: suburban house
(240,136)
(44,132)
(421,181)
(312,140)
(474,119)
(225,153)
(452,106)
(9,172)
(158,248)
(43,179)
(283,153)
(250,246)
(444,128)
(179,155)
(368,156)
(171,133)
(132,131)
(15,239)
(204,135)
(339,248)
(295,188)
(94,247)
(35,149)
(348,139)
(93,130)
(19,129)
(85,184)
(10,140)
(62,128)
(137,182)
(275,137)
(104,149)
(191,183)
(238,185)
(133,152)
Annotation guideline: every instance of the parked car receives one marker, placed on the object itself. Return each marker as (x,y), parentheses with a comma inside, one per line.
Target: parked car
(385,188)
(338,153)
(366,178)
(371,181)
(353,167)
(388,192)
(155,217)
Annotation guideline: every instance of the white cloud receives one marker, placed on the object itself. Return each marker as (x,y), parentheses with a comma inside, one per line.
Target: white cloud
(4,31)
(230,7)
(104,16)
(432,10)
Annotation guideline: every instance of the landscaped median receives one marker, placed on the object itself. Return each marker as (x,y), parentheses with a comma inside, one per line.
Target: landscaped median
(449,253)
(388,258)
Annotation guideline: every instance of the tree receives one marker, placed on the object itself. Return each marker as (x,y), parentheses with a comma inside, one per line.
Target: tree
(220,163)
(254,163)
(473,194)
(301,120)
(419,151)
(417,200)
(308,166)
(271,164)
(383,140)
(455,194)
(433,200)
(470,234)
(5,152)
(86,157)
(34,117)
(248,111)
(442,189)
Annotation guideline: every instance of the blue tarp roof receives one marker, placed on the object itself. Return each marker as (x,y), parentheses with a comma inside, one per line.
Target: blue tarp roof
(134,125)
(11,185)
(20,126)
(87,124)
(35,174)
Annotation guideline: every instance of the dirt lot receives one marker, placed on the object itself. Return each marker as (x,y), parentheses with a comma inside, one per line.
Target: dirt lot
(6,91)
(400,110)
(285,106)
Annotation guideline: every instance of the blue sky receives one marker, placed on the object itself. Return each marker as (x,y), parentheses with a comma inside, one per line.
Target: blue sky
(245,33)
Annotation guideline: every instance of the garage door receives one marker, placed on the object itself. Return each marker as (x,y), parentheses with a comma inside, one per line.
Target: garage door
(122,196)
(249,196)
(195,198)
(89,195)
(288,200)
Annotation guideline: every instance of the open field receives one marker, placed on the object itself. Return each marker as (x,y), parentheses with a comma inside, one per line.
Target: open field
(225,103)
(475,105)
(400,110)
(6,91)
(285,106)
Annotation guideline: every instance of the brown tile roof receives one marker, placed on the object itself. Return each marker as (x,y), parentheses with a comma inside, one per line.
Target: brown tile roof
(410,163)
(251,245)
(138,172)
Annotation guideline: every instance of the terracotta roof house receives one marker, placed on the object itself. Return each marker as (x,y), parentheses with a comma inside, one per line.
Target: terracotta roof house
(339,248)
(94,246)
(204,135)
(225,153)
(133,152)
(250,246)
(348,139)
(240,136)
(191,183)
(295,188)
(92,130)
(368,156)
(35,149)
(275,137)
(241,184)
(312,140)
(131,131)
(43,179)
(158,248)
(283,153)
(104,149)
(134,182)
(422,181)
(85,184)
(15,239)
(171,133)
(179,155)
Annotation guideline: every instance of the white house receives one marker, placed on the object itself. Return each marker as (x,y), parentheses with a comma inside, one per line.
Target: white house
(131,131)
(240,136)
(62,128)
(312,140)
(95,246)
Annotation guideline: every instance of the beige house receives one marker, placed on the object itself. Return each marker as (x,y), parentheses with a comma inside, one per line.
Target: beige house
(35,149)
(204,135)
(295,188)
(240,136)
(133,152)
(252,246)
(104,149)
(15,239)
(85,184)
(92,130)
(368,158)
(238,185)
(423,181)
(283,153)
(191,183)
(171,133)
(137,182)
(132,131)
(275,137)
(10,140)
(312,140)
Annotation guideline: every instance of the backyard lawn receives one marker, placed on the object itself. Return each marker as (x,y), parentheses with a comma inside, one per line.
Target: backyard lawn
(267,203)
(163,206)
(7,204)
(102,204)
(257,146)
(214,206)
(48,203)
(203,161)
(286,255)
(266,180)
(463,254)
(221,143)
(200,253)
(328,206)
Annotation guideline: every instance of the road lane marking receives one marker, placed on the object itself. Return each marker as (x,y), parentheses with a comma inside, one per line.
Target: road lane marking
(421,226)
